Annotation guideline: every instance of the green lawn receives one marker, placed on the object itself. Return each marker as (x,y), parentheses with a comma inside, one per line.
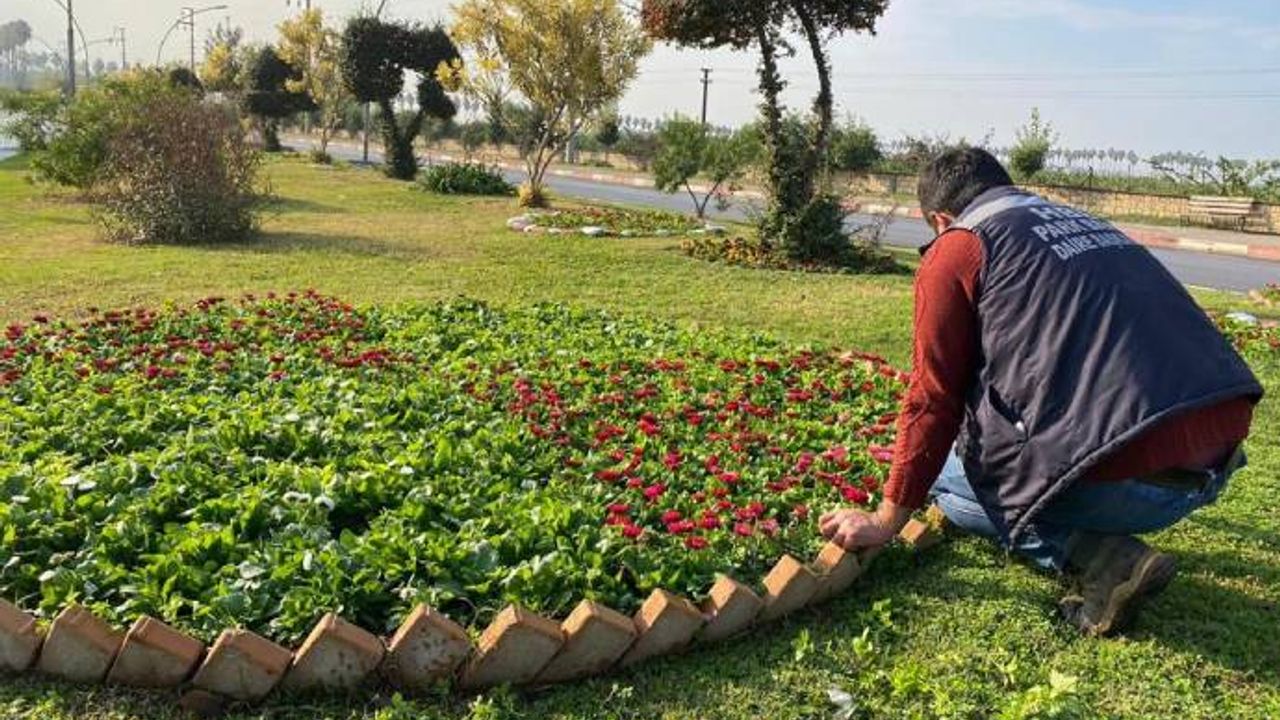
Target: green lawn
(960,632)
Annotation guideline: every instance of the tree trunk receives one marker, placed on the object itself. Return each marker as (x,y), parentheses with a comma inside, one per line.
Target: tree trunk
(824,102)
(771,85)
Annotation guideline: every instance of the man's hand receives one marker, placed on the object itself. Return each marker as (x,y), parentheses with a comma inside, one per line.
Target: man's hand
(854,529)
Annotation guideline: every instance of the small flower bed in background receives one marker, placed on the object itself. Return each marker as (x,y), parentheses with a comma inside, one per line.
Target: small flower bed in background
(1268,296)
(1256,339)
(251,462)
(752,252)
(464,179)
(616,222)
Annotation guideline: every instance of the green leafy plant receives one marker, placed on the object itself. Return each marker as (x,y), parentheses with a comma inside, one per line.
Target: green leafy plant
(255,463)
(465,179)
(1031,151)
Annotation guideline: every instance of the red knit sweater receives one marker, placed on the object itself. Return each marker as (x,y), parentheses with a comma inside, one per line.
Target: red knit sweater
(945,361)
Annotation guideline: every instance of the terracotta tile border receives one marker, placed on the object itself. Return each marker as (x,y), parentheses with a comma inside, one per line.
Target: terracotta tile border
(428,650)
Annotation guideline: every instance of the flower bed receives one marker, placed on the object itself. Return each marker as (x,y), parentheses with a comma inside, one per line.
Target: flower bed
(253,463)
(1268,296)
(612,222)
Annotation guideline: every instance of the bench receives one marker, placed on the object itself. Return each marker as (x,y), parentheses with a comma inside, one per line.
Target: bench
(1215,211)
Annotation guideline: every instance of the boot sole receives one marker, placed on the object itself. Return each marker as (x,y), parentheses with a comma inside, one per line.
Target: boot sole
(1152,575)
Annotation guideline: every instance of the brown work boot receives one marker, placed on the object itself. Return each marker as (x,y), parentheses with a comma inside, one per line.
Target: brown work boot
(1113,575)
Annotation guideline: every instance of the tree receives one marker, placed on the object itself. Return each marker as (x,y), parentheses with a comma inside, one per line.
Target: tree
(227,61)
(269,99)
(855,148)
(639,146)
(472,136)
(1034,142)
(688,150)
(608,132)
(14,35)
(568,60)
(375,57)
(803,217)
(305,43)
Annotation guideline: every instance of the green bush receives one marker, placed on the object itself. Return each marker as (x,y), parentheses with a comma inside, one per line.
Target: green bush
(855,148)
(179,171)
(1031,152)
(465,179)
(69,141)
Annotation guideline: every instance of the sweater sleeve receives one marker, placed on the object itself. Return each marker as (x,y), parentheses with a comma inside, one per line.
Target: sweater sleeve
(945,358)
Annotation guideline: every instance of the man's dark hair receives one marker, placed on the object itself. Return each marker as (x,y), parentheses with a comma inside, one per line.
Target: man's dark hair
(956,177)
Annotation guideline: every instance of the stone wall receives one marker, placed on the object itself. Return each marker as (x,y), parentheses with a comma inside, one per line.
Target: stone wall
(1107,203)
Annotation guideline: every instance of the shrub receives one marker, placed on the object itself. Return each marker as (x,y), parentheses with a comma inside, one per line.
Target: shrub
(465,179)
(855,148)
(69,141)
(1030,153)
(531,197)
(319,157)
(179,172)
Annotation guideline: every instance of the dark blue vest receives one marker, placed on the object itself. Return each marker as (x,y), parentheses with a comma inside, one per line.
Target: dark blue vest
(1087,341)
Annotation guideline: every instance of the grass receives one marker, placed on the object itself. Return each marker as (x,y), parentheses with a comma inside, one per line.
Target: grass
(961,632)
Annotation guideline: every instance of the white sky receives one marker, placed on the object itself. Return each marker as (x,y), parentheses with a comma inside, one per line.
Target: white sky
(1145,75)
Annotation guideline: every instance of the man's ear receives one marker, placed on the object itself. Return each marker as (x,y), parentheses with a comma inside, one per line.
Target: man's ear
(941,221)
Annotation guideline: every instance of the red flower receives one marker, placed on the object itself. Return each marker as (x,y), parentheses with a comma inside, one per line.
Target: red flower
(729,478)
(769,527)
(854,494)
(671,516)
(881,454)
(672,459)
(681,527)
(695,542)
(649,426)
(632,531)
(654,491)
(709,522)
(619,509)
(744,529)
(801,511)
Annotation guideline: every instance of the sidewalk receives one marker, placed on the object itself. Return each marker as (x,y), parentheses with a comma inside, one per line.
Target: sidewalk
(1204,240)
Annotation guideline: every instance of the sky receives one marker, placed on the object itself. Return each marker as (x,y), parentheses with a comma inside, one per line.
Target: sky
(1143,75)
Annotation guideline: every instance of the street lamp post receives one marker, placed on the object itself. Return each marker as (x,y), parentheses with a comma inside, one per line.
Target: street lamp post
(188,18)
(71,51)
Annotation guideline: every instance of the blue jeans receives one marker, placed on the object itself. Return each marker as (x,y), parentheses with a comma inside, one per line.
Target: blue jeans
(1128,507)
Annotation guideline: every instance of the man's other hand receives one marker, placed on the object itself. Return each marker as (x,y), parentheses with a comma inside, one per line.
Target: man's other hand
(854,529)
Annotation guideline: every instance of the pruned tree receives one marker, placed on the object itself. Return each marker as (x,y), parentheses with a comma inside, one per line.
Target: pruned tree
(803,217)
(688,150)
(269,100)
(375,57)
(305,43)
(568,60)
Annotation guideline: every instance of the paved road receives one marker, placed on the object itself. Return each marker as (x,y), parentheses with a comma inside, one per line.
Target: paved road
(1220,272)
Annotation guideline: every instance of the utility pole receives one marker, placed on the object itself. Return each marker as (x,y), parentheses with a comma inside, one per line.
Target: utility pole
(124,52)
(191,27)
(706,85)
(71,51)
